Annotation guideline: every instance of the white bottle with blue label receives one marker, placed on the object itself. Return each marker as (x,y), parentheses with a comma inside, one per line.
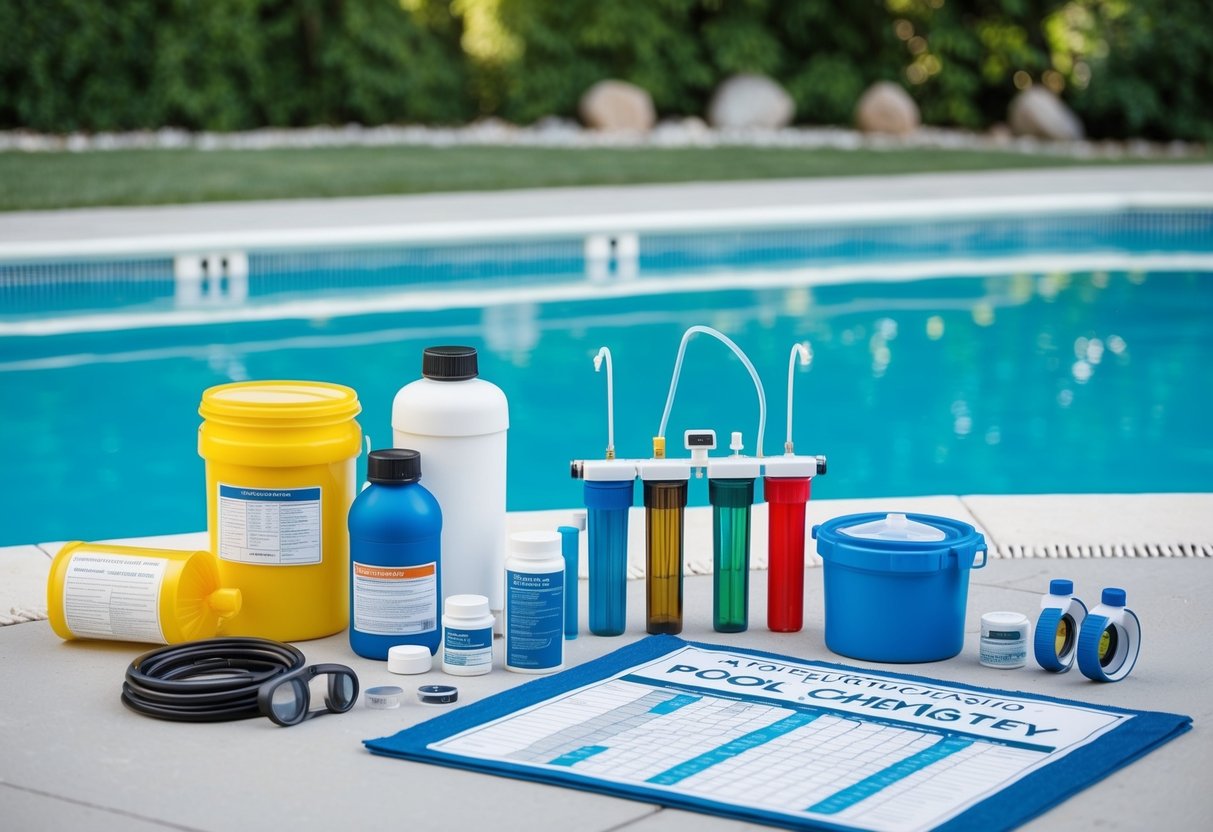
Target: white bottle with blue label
(467,636)
(534,603)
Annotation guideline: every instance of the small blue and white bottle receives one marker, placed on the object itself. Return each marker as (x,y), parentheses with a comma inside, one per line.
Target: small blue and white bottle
(534,603)
(395,557)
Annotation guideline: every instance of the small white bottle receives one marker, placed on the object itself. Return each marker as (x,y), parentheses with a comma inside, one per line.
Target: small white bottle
(534,603)
(467,636)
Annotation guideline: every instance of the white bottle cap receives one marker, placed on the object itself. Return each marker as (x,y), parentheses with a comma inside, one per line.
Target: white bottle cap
(895,527)
(408,659)
(467,606)
(383,697)
(535,545)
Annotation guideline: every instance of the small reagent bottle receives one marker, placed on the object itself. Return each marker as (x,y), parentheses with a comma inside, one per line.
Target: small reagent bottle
(395,529)
(467,636)
(534,603)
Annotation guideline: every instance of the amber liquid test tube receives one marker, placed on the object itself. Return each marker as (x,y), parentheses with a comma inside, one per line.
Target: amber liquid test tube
(664,508)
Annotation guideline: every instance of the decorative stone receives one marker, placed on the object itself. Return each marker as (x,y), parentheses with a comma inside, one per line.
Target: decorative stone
(887,108)
(617,105)
(1038,112)
(751,102)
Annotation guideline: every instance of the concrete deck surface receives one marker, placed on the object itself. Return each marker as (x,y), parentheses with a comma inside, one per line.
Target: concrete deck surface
(76,758)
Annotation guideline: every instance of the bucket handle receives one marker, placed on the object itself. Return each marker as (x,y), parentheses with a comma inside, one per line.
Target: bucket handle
(981,549)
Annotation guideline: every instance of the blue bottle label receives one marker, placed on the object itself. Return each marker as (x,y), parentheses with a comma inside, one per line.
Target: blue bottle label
(467,648)
(534,619)
(395,600)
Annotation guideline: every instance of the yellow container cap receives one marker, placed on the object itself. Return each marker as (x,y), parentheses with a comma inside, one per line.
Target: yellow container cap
(282,403)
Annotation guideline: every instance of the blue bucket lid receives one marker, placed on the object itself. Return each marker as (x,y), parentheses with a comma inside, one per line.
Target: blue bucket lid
(879,542)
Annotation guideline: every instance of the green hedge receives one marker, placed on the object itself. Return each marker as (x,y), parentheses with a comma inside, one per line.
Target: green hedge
(1128,67)
(226,64)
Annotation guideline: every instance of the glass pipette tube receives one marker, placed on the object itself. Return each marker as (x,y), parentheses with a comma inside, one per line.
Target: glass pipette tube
(607,504)
(664,507)
(786,497)
(731,500)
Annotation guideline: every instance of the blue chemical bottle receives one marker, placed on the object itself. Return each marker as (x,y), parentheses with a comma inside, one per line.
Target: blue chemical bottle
(395,585)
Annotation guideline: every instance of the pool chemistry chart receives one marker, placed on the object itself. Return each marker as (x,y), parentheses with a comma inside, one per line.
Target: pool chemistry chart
(802,740)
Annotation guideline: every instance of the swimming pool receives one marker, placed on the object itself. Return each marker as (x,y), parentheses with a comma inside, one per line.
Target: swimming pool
(1028,381)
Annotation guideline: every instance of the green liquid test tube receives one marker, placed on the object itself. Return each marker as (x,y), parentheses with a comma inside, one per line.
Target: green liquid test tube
(664,506)
(731,500)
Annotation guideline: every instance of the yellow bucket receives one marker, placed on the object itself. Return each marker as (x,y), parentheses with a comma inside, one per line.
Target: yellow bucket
(279,483)
(125,593)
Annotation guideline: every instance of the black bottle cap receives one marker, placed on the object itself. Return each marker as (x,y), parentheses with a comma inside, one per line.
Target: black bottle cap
(394,465)
(449,363)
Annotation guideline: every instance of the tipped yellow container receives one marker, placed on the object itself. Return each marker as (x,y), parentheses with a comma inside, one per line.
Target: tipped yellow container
(279,483)
(125,593)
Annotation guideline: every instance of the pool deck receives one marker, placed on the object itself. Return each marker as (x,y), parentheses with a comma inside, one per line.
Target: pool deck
(75,758)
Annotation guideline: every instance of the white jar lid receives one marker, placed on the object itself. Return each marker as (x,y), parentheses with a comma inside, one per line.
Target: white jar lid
(896,527)
(408,659)
(536,545)
(1004,621)
(467,606)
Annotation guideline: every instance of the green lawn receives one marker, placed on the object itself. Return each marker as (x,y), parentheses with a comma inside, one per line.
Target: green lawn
(32,181)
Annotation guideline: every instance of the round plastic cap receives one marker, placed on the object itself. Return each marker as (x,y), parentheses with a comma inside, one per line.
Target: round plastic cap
(408,659)
(1061,586)
(1113,597)
(535,544)
(394,465)
(467,606)
(896,527)
(225,601)
(449,363)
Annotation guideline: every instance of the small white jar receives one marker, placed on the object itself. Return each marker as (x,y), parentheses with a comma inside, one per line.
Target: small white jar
(1004,640)
(467,636)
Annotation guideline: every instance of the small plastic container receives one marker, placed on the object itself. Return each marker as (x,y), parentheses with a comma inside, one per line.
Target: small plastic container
(128,593)
(534,603)
(467,636)
(896,585)
(665,500)
(1004,640)
(786,490)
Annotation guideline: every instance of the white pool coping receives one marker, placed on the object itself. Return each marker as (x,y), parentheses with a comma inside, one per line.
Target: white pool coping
(550,212)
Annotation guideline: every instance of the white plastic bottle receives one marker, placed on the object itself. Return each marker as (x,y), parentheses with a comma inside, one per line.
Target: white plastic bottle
(534,603)
(458,422)
(467,636)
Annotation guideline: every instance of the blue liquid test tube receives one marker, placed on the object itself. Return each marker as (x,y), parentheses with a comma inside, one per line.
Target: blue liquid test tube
(607,503)
(570,549)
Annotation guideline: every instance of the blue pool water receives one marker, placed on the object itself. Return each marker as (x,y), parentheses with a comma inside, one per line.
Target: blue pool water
(1084,382)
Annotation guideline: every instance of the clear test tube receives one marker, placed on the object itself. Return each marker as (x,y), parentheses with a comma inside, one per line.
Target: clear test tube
(786,489)
(607,503)
(664,508)
(731,493)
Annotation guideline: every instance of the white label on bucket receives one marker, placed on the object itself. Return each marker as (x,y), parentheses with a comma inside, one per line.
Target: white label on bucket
(114,597)
(269,526)
(396,600)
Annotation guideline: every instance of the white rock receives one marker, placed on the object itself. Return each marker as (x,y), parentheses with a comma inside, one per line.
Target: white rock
(617,105)
(751,101)
(887,108)
(1038,112)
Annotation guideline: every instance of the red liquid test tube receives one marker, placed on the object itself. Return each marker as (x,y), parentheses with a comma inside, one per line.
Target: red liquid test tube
(786,498)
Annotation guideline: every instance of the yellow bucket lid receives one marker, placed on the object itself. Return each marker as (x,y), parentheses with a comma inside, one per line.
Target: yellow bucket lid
(283,403)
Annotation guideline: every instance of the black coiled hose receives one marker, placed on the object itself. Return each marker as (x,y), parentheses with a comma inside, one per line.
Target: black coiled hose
(215,680)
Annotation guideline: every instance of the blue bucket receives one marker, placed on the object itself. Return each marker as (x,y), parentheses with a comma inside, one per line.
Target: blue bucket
(896,585)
